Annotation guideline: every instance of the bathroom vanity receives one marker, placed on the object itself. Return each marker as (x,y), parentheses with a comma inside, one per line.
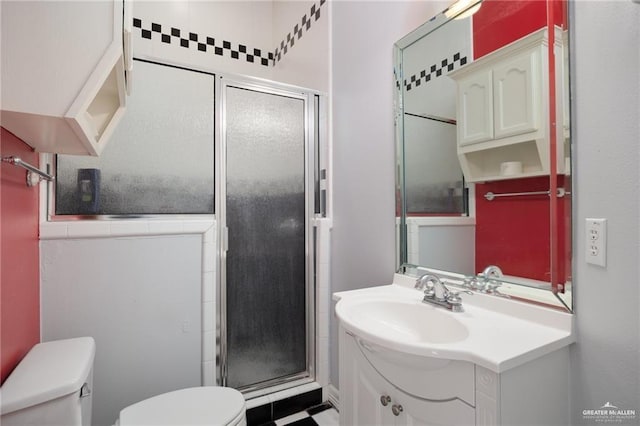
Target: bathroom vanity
(499,362)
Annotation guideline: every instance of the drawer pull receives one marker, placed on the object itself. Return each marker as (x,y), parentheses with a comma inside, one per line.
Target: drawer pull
(396,409)
(385,400)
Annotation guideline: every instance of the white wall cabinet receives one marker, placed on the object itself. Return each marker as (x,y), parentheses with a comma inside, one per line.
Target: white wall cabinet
(63,73)
(475,103)
(503,110)
(379,387)
(516,92)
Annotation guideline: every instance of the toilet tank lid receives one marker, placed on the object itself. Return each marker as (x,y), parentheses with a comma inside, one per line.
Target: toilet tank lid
(50,370)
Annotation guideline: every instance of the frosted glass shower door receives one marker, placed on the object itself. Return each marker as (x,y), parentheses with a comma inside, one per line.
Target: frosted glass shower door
(266,210)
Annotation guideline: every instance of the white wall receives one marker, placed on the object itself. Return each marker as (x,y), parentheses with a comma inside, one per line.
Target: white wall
(306,63)
(139,298)
(606,76)
(449,248)
(363,239)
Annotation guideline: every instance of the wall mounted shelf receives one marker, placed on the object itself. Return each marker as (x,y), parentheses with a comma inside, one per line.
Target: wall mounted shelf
(63,73)
(503,109)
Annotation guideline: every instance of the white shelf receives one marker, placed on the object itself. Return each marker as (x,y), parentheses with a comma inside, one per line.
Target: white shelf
(63,74)
(503,110)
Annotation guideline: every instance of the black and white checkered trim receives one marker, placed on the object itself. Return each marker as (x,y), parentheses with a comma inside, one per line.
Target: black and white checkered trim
(435,71)
(396,79)
(204,43)
(298,30)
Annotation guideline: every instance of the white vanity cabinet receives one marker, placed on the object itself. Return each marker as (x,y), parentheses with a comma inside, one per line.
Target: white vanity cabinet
(380,387)
(417,395)
(503,110)
(63,72)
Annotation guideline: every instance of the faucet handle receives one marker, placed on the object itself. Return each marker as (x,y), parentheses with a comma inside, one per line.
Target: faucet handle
(492,286)
(470,282)
(479,285)
(430,292)
(455,301)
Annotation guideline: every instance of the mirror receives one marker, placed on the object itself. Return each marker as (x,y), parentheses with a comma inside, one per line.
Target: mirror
(483,148)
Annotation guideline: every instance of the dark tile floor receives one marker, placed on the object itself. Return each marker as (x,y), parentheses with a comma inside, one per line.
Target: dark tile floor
(320,415)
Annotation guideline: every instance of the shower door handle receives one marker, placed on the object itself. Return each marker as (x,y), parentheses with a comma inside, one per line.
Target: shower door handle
(225,239)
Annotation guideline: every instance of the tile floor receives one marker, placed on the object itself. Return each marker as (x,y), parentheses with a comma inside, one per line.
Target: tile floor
(321,415)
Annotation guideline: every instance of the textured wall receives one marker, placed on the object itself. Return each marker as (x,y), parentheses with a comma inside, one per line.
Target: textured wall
(19,262)
(363,240)
(605,360)
(139,298)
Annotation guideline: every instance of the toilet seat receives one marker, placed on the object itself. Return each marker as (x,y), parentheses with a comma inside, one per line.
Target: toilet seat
(209,406)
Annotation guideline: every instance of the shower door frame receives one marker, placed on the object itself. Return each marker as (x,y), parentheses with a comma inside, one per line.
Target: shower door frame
(310,142)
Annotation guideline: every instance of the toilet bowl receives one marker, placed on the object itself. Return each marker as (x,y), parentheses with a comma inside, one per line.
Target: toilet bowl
(209,405)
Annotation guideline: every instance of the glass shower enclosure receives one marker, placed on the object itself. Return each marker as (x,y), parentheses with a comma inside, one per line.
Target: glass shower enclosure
(266,326)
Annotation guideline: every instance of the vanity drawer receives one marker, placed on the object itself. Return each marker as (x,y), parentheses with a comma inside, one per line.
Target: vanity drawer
(427,378)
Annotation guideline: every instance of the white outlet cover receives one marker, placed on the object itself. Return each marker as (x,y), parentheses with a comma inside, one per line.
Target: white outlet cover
(596,241)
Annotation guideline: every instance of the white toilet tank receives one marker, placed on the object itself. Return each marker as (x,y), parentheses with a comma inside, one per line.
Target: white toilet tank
(51,385)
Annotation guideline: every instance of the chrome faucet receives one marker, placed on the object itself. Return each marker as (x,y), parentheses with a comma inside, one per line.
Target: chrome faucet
(491,272)
(436,293)
(486,281)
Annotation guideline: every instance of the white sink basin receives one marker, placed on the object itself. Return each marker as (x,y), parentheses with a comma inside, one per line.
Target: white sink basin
(492,332)
(410,322)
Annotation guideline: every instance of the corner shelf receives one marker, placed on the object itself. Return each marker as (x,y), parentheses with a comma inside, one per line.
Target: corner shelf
(67,94)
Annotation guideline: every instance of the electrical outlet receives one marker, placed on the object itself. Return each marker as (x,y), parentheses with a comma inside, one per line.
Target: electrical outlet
(596,241)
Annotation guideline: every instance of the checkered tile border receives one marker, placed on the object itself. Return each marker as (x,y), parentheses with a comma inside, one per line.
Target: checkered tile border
(435,71)
(204,44)
(298,30)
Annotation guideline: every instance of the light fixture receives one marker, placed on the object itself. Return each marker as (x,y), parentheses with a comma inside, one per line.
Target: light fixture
(460,9)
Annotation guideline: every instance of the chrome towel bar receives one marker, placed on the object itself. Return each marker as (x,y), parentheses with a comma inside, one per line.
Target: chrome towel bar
(490,196)
(32,171)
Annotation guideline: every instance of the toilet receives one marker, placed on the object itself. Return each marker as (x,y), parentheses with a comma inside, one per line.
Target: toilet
(52,386)
(209,405)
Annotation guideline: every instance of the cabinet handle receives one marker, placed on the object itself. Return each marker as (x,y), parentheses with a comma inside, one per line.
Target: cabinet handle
(396,409)
(385,400)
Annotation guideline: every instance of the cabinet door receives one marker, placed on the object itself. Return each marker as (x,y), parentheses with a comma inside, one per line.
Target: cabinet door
(361,388)
(475,109)
(368,408)
(516,92)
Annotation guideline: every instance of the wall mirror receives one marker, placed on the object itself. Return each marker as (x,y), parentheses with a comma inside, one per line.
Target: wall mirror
(483,148)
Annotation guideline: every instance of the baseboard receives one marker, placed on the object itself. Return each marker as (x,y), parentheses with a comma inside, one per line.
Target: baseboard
(333,395)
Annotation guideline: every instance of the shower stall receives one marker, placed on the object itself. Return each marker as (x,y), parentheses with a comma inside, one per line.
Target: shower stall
(193,145)
(267,174)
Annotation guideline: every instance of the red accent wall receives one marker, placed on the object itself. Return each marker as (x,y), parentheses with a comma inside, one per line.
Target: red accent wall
(19,262)
(505,222)
(500,22)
